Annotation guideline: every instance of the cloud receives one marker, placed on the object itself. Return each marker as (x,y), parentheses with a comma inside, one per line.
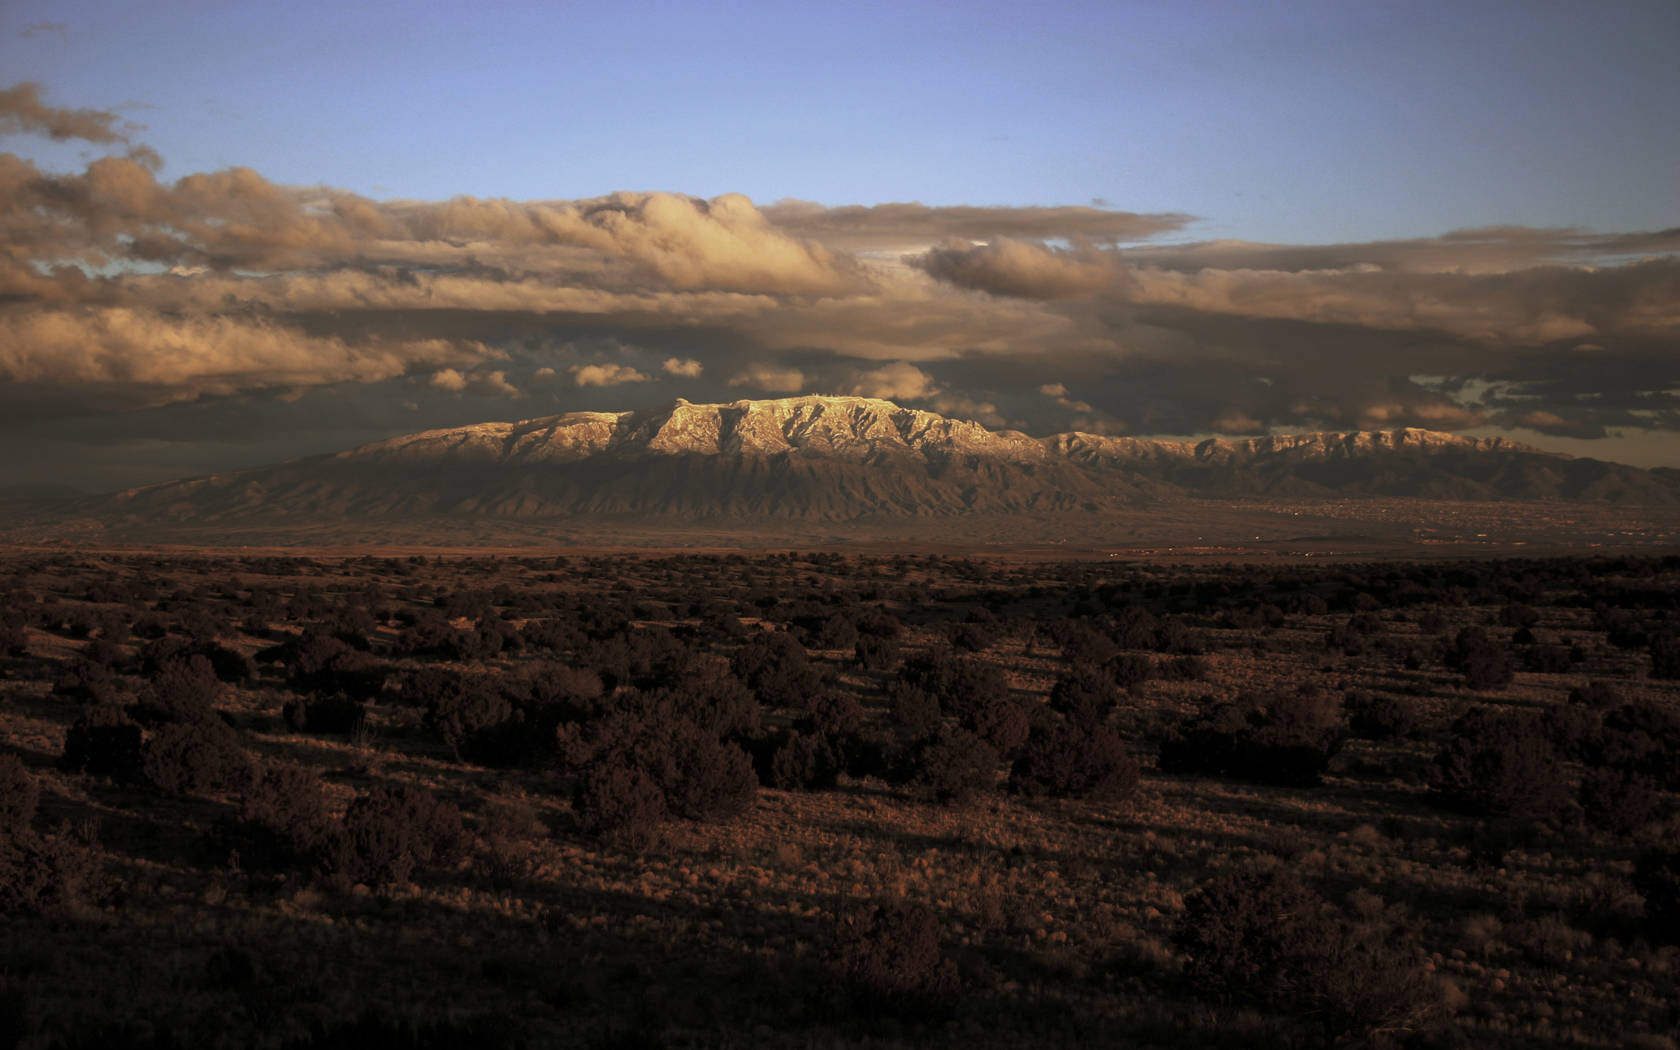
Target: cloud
(770,379)
(898,381)
(35,29)
(1020,268)
(482,383)
(907,224)
(22,111)
(128,358)
(605,375)
(958,406)
(121,291)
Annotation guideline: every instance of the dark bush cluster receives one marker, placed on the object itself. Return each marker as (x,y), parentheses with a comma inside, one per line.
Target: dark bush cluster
(1076,760)
(104,742)
(388,832)
(954,767)
(52,874)
(201,757)
(1268,940)
(1500,764)
(1480,659)
(959,685)
(775,666)
(643,762)
(888,957)
(1276,738)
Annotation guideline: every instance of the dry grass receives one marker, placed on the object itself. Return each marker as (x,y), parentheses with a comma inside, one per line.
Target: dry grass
(1059,914)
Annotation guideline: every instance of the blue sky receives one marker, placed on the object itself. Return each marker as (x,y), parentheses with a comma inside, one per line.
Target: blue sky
(1377,125)
(1293,122)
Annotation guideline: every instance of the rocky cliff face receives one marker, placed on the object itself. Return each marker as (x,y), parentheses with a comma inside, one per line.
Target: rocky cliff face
(845,458)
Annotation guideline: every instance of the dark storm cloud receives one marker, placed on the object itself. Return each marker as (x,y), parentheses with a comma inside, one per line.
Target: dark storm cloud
(122,293)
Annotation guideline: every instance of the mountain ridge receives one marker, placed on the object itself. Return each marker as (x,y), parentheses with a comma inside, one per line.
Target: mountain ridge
(819,460)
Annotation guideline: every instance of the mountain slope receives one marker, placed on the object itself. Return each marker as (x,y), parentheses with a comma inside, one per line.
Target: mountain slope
(841,459)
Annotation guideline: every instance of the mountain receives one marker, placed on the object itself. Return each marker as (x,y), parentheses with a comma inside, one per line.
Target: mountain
(836,460)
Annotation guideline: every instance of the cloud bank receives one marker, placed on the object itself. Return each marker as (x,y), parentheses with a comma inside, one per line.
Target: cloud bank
(121,293)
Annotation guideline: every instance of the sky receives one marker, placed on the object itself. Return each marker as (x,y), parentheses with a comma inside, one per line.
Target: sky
(236,233)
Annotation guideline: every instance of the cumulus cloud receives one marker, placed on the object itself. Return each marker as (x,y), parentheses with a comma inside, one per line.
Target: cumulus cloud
(120,290)
(482,383)
(1019,268)
(898,381)
(770,378)
(134,358)
(605,375)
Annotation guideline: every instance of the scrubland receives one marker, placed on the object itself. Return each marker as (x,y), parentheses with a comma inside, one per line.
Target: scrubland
(812,800)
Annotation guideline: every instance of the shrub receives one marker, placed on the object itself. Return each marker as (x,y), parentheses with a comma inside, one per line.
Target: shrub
(1480,659)
(1656,875)
(875,653)
(227,665)
(915,709)
(86,681)
(358,675)
(973,637)
(282,819)
(1596,693)
(1130,671)
(955,767)
(888,957)
(1499,764)
(836,714)
(1378,716)
(14,640)
(196,758)
(1548,659)
(961,685)
(1182,669)
(1133,628)
(1617,800)
(1665,655)
(805,762)
(718,703)
(1246,933)
(1286,739)
(55,874)
(331,714)
(181,690)
(620,804)
(1004,724)
(388,832)
(704,778)
(1082,645)
(1076,761)
(1643,737)
(1086,695)
(19,795)
(774,665)
(458,706)
(104,742)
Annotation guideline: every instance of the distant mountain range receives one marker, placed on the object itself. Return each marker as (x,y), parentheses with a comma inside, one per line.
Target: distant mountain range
(831,460)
